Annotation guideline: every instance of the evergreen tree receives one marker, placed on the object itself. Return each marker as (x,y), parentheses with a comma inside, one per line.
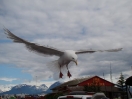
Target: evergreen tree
(121,81)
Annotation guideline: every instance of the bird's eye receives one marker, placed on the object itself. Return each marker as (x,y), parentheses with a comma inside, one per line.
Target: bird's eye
(72,58)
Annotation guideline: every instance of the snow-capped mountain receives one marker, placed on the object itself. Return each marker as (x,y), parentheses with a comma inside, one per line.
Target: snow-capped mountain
(19,86)
(27,89)
(43,87)
(52,86)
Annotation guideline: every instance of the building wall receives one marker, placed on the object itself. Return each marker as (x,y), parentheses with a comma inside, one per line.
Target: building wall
(96,81)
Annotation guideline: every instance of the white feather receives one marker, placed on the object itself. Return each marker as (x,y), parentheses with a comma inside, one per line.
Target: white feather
(66,57)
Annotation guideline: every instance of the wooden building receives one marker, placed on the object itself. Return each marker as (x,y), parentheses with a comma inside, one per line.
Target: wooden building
(79,84)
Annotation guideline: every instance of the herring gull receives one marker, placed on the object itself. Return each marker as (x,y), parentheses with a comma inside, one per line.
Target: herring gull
(65,57)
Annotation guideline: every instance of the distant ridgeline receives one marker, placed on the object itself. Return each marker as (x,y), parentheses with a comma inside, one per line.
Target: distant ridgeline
(28,89)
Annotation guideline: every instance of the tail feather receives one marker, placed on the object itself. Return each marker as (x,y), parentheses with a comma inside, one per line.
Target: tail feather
(55,68)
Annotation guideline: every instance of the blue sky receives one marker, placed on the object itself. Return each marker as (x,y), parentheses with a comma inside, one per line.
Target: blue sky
(12,72)
(74,24)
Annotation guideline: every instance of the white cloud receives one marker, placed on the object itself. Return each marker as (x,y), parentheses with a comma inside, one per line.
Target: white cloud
(8,79)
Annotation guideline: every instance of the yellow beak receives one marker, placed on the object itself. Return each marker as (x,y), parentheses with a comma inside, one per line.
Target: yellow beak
(75,62)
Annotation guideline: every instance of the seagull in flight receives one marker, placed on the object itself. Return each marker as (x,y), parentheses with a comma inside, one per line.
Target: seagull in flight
(65,57)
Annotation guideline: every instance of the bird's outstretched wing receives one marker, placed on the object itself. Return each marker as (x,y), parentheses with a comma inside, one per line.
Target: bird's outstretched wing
(34,47)
(92,51)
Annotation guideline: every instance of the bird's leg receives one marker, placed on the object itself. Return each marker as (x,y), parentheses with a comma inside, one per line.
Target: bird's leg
(60,72)
(68,73)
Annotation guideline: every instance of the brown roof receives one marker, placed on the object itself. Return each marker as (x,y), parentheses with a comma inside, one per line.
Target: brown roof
(73,82)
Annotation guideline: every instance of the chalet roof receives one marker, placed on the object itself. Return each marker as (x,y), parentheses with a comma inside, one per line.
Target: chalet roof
(74,82)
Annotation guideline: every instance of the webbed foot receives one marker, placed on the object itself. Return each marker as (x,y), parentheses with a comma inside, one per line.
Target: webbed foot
(61,74)
(69,74)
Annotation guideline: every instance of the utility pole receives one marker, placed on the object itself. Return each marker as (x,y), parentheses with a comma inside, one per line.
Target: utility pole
(111,73)
(36,81)
(111,80)
(131,68)
(104,82)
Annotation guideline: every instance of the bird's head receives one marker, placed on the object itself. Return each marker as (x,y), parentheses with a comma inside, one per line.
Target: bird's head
(74,58)
(71,56)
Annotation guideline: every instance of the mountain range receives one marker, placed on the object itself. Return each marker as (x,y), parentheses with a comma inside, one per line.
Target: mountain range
(29,89)
(52,86)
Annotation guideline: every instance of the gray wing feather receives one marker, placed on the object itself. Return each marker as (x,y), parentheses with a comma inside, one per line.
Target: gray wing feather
(92,51)
(84,51)
(32,46)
